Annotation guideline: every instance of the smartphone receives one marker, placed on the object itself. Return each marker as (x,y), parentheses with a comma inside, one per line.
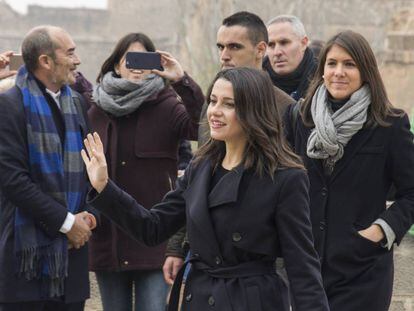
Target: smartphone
(143,60)
(16,60)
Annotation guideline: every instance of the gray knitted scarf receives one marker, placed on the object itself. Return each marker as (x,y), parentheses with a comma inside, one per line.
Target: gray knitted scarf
(121,97)
(333,131)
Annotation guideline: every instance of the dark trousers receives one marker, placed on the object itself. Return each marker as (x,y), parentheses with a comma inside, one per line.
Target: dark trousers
(42,306)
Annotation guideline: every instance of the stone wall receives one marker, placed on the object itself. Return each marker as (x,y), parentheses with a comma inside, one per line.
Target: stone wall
(387,25)
(398,59)
(188,29)
(93,45)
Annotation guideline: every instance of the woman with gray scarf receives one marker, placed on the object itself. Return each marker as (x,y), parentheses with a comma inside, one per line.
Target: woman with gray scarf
(141,116)
(355,145)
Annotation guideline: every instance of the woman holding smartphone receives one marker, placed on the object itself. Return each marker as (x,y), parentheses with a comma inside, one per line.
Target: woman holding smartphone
(141,120)
(244,200)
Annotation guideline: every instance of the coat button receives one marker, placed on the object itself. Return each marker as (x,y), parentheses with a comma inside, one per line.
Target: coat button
(126,263)
(236,237)
(218,260)
(324,191)
(188,297)
(123,163)
(322,225)
(211,301)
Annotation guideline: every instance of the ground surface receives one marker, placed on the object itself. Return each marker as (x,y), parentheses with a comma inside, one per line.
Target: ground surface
(403,299)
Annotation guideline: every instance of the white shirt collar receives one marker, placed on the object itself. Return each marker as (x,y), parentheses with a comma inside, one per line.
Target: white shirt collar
(55,96)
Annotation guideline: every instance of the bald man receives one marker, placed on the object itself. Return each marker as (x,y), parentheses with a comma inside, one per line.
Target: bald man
(43,222)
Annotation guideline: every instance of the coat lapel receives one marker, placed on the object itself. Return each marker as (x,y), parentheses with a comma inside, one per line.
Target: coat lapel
(226,190)
(353,146)
(197,204)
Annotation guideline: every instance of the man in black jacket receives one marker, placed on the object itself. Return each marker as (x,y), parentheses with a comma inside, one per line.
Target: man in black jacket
(289,61)
(43,222)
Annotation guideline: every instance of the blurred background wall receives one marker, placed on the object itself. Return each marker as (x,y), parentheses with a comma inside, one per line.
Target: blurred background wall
(187,28)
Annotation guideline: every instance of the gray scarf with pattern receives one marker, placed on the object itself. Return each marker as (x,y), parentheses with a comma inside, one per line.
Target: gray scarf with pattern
(333,130)
(121,97)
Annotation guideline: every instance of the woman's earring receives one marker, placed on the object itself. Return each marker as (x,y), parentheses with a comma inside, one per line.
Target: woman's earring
(323,76)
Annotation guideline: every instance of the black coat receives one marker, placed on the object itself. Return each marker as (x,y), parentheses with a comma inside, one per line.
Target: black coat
(358,273)
(250,229)
(18,189)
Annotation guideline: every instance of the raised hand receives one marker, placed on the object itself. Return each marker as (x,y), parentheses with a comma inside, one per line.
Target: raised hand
(4,61)
(95,162)
(172,68)
(5,58)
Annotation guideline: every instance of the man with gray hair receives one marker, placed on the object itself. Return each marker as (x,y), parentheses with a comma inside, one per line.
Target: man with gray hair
(289,61)
(43,222)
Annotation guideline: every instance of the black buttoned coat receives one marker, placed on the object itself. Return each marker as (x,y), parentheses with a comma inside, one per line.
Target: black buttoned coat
(358,273)
(250,229)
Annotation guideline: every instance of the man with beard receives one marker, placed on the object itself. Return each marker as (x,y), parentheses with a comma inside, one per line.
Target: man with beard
(43,222)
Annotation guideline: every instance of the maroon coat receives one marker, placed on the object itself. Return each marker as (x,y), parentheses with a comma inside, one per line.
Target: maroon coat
(141,150)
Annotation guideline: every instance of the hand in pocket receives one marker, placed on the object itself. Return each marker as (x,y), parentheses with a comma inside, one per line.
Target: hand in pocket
(373,233)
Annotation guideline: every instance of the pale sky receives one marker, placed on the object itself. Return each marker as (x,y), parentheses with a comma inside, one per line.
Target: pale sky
(21,5)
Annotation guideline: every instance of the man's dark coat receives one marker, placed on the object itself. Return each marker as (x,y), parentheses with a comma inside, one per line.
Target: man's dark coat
(18,189)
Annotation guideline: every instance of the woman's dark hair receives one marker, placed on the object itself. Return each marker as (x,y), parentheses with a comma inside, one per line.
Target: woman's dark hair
(257,111)
(120,49)
(360,51)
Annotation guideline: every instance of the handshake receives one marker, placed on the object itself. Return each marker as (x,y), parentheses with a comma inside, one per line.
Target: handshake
(81,230)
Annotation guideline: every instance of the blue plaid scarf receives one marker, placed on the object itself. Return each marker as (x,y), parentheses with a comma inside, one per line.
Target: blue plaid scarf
(59,172)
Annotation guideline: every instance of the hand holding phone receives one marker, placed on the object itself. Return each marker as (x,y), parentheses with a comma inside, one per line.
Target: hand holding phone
(172,68)
(5,59)
(16,60)
(4,62)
